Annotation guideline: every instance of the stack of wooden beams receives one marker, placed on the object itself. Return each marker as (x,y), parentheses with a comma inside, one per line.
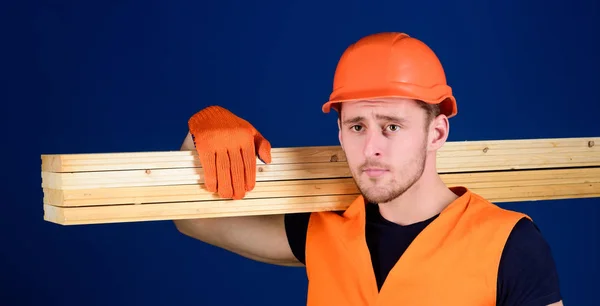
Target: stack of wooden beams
(147,186)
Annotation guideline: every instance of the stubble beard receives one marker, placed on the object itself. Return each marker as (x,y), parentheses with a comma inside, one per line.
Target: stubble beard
(375,191)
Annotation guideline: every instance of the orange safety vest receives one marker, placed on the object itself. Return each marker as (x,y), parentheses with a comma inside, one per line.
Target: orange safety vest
(453,261)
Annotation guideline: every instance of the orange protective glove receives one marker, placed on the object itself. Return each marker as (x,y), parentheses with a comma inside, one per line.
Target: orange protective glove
(227,147)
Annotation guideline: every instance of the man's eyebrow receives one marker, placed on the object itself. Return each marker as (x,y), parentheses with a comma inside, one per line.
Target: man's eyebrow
(354,120)
(357,119)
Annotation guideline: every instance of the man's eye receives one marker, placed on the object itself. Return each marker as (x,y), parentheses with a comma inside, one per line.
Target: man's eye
(393,127)
(356,127)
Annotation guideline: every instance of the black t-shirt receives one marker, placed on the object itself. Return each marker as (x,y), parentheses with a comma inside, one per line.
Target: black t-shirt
(527,274)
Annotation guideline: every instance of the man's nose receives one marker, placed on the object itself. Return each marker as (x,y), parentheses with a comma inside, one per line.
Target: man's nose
(373,144)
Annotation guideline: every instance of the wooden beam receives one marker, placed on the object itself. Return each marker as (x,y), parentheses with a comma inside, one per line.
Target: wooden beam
(145,186)
(316,187)
(284,205)
(456,156)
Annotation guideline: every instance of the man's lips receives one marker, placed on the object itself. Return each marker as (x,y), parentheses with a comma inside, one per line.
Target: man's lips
(374,172)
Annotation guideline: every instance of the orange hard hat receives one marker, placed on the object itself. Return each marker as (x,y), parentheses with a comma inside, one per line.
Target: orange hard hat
(391,64)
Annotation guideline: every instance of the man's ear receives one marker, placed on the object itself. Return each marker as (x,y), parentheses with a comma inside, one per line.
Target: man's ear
(439,129)
(340,133)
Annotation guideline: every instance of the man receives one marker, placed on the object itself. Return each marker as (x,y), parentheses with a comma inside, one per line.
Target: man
(408,239)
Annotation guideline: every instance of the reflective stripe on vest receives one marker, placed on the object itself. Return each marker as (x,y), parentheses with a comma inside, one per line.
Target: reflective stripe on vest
(453,261)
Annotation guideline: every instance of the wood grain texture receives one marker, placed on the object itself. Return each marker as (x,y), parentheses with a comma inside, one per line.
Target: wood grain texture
(146,186)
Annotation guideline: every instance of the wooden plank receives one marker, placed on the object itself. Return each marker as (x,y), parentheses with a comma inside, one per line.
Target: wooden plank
(183,176)
(297,188)
(184,210)
(266,206)
(145,186)
(505,151)
(175,159)
(551,158)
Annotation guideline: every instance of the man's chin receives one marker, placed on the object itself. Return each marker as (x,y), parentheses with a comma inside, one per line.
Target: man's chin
(378,198)
(378,195)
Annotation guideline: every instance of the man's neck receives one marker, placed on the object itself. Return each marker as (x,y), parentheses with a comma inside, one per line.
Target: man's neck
(425,199)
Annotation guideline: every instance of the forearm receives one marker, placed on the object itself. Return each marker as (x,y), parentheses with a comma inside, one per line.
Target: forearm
(260,238)
(207,230)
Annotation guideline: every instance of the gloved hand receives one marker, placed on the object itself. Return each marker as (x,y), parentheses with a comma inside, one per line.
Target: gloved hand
(227,146)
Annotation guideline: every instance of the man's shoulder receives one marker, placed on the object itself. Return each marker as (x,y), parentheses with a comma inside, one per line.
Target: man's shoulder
(525,241)
(525,228)
(525,237)
(527,273)
(492,214)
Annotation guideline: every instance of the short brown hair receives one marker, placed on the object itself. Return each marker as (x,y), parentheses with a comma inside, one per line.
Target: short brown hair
(431,110)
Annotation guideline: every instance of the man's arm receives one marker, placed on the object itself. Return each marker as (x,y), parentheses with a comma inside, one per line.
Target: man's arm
(260,238)
(527,274)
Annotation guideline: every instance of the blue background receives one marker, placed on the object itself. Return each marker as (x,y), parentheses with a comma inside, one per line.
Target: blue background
(110,76)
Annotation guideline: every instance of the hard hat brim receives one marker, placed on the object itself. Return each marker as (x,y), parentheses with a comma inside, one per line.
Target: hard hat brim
(437,95)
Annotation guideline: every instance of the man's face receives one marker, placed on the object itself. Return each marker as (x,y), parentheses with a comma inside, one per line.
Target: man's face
(385,142)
